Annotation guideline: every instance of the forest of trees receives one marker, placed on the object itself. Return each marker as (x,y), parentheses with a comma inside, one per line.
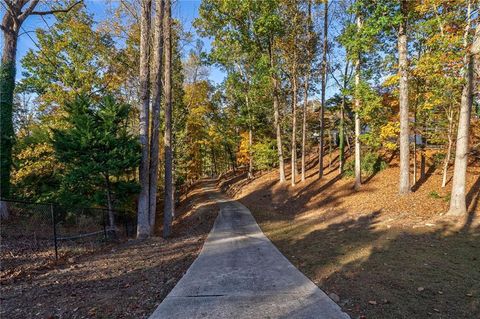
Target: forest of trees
(116,113)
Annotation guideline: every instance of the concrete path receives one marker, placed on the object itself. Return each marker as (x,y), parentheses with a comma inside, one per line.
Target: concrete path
(241,274)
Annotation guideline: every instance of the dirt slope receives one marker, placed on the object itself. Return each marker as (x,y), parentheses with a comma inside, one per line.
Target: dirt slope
(127,280)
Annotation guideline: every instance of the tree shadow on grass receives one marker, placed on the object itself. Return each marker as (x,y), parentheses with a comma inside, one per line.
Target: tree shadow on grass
(382,272)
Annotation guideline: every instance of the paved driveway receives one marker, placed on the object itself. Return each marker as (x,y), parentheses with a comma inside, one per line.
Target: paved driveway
(241,274)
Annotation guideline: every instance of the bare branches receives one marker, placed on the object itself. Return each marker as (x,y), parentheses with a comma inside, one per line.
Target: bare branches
(42,13)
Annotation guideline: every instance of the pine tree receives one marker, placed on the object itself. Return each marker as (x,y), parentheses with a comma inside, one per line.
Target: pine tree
(96,149)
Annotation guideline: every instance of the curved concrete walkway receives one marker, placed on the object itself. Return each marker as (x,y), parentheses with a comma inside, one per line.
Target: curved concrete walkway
(241,274)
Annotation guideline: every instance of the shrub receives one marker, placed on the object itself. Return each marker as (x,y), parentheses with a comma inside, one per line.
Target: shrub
(371,164)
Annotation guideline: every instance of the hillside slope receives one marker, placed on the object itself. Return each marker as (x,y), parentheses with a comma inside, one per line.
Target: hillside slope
(384,255)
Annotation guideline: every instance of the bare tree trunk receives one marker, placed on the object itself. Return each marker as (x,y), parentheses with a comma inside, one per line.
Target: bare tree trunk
(156,104)
(168,210)
(358,170)
(341,129)
(341,137)
(306,87)
(449,150)
(276,114)
(143,219)
(323,85)
(458,205)
(323,88)
(294,129)
(404,181)
(304,125)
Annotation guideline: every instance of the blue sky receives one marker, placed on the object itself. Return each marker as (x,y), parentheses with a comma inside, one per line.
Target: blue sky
(184,10)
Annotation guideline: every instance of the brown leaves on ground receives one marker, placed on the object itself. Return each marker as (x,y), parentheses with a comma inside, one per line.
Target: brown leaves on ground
(124,281)
(374,248)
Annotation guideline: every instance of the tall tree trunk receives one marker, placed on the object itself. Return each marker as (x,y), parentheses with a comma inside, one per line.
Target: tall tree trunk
(156,104)
(306,87)
(341,130)
(324,85)
(358,169)
(341,136)
(304,125)
(7,87)
(276,115)
(143,219)
(458,205)
(294,129)
(168,210)
(404,181)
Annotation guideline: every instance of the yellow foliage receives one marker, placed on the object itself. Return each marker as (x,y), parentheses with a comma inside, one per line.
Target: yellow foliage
(36,160)
(388,134)
(243,154)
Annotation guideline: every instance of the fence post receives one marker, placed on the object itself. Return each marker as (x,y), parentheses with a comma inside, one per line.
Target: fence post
(54,221)
(104,225)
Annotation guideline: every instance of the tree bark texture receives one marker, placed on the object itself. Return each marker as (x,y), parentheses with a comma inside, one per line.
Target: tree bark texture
(458,205)
(276,115)
(168,211)
(404,179)
(156,104)
(358,169)
(143,214)
(323,87)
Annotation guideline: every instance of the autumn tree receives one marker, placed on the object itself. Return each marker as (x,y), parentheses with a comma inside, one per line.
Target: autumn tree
(54,74)
(249,30)
(16,12)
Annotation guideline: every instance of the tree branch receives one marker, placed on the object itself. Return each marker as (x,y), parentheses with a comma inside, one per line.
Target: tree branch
(29,10)
(42,13)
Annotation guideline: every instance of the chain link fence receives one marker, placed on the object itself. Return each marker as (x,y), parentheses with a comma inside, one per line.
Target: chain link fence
(45,232)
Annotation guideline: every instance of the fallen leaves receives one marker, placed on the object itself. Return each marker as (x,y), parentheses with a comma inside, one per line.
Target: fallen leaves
(125,282)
